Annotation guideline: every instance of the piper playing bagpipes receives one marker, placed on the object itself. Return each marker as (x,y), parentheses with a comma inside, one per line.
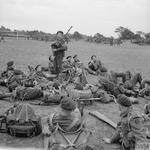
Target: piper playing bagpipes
(58,49)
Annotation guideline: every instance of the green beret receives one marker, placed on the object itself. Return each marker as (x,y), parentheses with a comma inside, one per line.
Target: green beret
(67,104)
(124,100)
(10,63)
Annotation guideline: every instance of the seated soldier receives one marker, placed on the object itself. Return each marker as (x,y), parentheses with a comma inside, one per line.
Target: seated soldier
(39,75)
(80,77)
(67,64)
(76,61)
(51,64)
(68,116)
(145,91)
(130,129)
(15,80)
(95,66)
(67,69)
(7,73)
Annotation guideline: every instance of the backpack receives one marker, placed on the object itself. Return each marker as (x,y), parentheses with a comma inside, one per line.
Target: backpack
(52,97)
(21,121)
(28,93)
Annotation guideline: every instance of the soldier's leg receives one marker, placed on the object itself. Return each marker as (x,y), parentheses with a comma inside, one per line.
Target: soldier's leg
(116,75)
(5,95)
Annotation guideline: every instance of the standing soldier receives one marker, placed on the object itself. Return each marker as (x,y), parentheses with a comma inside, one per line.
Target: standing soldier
(58,49)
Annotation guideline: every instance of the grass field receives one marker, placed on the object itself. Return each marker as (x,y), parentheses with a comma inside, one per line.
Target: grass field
(118,58)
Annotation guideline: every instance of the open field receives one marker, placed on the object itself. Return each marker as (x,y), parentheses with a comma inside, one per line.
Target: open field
(119,58)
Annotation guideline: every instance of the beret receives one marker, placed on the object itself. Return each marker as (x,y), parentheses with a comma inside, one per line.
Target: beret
(10,63)
(60,32)
(75,55)
(124,100)
(67,104)
(68,57)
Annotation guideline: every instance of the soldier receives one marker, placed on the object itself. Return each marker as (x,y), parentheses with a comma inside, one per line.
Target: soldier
(67,64)
(68,116)
(10,68)
(130,129)
(131,81)
(58,49)
(76,61)
(15,80)
(51,64)
(95,66)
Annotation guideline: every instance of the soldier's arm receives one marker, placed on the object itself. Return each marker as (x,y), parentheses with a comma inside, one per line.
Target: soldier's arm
(62,48)
(125,91)
(116,136)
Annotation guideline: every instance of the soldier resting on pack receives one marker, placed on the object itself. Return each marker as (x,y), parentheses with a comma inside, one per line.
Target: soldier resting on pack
(15,80)
(95,66)
(7,73)
(67,116)
(130,129)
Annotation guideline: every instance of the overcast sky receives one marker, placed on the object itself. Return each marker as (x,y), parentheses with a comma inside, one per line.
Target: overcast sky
(86,16)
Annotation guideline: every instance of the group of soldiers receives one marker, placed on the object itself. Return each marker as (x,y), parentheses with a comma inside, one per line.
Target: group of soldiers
(51,85)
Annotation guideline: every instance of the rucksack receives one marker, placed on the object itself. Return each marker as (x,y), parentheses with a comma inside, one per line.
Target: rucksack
(22,121)
(28,93)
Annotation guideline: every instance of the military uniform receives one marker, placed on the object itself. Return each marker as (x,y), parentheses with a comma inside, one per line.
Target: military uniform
(130,129)
(115,89)
(96,67)
(59,53)
(68,117)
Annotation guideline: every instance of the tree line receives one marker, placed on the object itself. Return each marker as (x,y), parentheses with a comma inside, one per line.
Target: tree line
(123,34)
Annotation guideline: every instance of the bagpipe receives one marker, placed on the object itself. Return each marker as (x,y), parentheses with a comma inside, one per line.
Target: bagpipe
(62,41)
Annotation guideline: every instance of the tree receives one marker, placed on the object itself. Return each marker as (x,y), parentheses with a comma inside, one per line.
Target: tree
(124,33)
(77,35)
(98,38)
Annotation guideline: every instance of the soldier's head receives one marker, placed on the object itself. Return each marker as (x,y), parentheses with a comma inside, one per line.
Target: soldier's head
(147,109)
(38,68)
(75,57)
(67,104)
(51,58)
(59,34)
(124,102)
(128,75)
(93,57)
(10,65)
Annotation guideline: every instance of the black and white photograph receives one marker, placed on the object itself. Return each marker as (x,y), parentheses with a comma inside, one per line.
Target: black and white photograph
(75,74)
